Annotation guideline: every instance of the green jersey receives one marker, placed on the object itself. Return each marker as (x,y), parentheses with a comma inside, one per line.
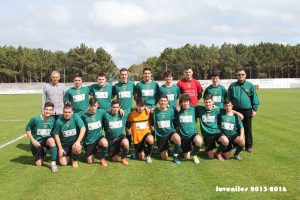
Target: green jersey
(208,120)
(186,122)
(68,130)
(79,98)
(40,128)
(93,125)
(114,125)
(102,94)
(243,96)
(229,124)
(173,93)
(149,91)
(163,122)
(218,93)
(124,92)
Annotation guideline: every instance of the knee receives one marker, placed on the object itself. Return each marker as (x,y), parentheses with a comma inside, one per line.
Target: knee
(150,139)
(51,142)
(38,162)
(125,143)
(198,141)
(103,143)
(176,139)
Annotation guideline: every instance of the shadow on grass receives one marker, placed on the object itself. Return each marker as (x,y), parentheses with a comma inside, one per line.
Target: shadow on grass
(25,160)
(25,147)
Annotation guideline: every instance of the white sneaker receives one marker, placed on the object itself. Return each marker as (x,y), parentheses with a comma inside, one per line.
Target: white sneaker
(148,160)
(54,168)
(196,159)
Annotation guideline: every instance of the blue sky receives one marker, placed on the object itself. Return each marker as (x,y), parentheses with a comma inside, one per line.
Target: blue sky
(133,30)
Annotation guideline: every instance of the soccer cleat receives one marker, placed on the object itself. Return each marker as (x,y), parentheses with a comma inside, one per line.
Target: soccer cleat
(196,159)
(103,163)
(148,160)
(176,160)
(219,156)
(249,150)
(238,157)
(124,161)
(54,168)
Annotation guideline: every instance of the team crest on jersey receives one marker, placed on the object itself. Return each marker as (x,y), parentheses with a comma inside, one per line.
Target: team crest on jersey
(78,92)
(163,116)
(67,125)
(228,119)
(215,92)
(93,118)
(186,112)
(188,85)
(45,125)
(247,90)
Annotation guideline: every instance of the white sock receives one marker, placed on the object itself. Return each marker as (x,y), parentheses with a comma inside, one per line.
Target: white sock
(53,163)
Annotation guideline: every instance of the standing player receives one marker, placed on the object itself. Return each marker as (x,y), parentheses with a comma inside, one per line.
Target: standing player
(138,123)
(94,137)
(78,95)
(147,89)
(232,127)
(190,86)
(102,91)
(216,90)
(67,137)
(39,131)
(169,89)
(186,124)
(244,98)
(163,118)
(54,92)
(114,126)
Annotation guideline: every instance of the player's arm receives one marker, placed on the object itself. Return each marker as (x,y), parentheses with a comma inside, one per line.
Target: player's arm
(242,133)
(33,141)
(82,130)
(58,144)
(199,90)
(240,115)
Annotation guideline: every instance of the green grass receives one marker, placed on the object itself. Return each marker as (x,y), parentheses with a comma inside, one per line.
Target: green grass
(275,162)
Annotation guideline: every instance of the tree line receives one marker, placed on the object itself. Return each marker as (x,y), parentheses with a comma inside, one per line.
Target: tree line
(23,64)
(264,60)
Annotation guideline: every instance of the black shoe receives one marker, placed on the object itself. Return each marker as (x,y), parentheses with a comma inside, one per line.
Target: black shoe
(249,150)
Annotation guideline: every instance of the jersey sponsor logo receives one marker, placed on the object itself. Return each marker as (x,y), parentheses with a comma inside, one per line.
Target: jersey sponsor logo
(124,94)
(79,97)
(171,97)
(69,133)
(101,95)
(164,124)
(116,124)
(185,119)
(217,98)
(147,93)
(227,126)
(94,125)
(208,118)
(141,125)
(191,93)
(43,132)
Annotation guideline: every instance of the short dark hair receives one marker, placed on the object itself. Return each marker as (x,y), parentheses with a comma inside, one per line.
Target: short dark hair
(227,101)
(93,101)
(101,74)
(187,68)
(115,101)
(240,69)
(78,74)
(146,69)
(208,97)
(184,97)
(168,73)
(48,104)
(215,73)
(68,105)
(140,101)
(163,96)
(123,70)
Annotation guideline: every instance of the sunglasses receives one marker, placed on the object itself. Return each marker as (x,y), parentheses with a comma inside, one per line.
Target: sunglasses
(241,74)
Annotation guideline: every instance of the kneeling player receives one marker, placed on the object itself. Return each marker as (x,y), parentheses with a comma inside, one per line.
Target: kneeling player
(94,139)
(39,131)
(114,126)
(67,137)
(230,125)
(164,129)
(138,123)
(186,123)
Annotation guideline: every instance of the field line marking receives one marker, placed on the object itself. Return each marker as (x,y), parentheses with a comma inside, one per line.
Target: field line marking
(12,141)
(12,120)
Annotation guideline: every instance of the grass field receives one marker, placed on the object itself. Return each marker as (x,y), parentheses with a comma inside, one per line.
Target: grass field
(275,162)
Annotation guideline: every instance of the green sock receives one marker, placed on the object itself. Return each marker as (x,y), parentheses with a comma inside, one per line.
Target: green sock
(195,150)
(238,150)
(102,152)
(221,148)
(74,156)
(53,152)
(124,153)
(177,148)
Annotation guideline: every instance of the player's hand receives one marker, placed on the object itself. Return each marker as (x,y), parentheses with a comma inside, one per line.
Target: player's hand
(214,106)
(253,114)
(148,111)
(152,110)
(121,111)
(178,108)
(36,143)
(240,116)
(61,152)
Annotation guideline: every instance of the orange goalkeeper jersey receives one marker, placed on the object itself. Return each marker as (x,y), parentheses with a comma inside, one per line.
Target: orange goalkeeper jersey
(140,125)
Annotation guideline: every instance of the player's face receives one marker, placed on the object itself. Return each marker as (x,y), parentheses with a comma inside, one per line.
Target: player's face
(228,107)
(185,105)
(215,80)
(77,82)
(241,75)
(68,112)
(55,78)
(147,75)
(208,104)
(163,102)
(101,80)
(48,111)
(93,108)
(169,79)
(115,108)
(123,76)
(188,74)
(140,108)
